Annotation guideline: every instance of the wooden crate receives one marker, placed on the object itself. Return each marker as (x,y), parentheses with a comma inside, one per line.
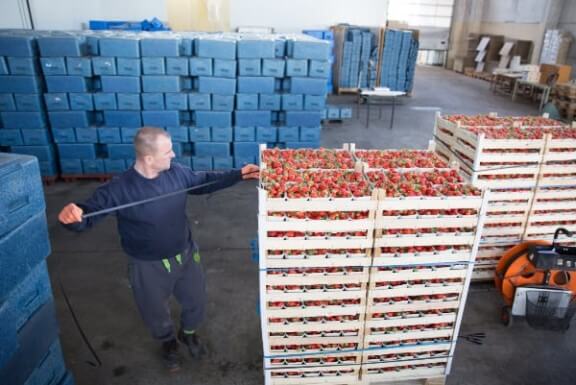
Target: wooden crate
(333,375)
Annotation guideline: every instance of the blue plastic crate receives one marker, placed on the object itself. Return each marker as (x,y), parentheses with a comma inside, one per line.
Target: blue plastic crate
(319,68)
(246,101)
(48,168)
(295,67)
(66,84)
(184,161)
(92,166)
(51,366)
(255,48)
(11,137)
(11,119)
(160,47)
(270,102)
(128,134)
(56,102)
(26,298)
(266,134)
(211,149)
(223,103)
(178,134)
(86,134)
(244,134)
(273,67)
(176,101)
(81,102)
(69,118)
(305,49)
(223,162)
(22,46)
(104,65)
(120,84)
(53,66)
(63,135)
(120,151)
(292,102)
(333,112)
(213,119)
(187,46)
(280,48)
(215,48)
(67,379)
(28,102)
(152,101)
(61,46)
(288,134)
(246,149)
(114,166)
(109,135)
(105,101)
(24,349)
(221,134)
(7,102)
(200,66)
(303,118)
(153,66)
(43,153)
(311,86)
(346,113)
(36,137)
(132,101)
(199,102)
(218,86)
(3,66)
(70,166)
(199,134)
(21,250)
(123,46)
(317,33)
(20,186)
(78,66)
(256,85)
(202,163)
(241,161)
(22,66)
(161,118)
(252,118)
(20,84)
(224,68)
(158,83)
(314,102)
(77,151)
(249,67)
(126,66)
(310,134)
(177,66)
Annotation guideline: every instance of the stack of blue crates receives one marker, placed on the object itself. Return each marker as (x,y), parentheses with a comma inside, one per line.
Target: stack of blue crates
(218,95)
(398,62)
(23,119)
(30,351)
(325,34)
(359,55)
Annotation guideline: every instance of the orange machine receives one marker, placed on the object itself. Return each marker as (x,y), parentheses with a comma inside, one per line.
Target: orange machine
(537,280)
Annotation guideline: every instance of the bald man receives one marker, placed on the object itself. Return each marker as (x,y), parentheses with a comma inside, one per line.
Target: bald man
(163,258)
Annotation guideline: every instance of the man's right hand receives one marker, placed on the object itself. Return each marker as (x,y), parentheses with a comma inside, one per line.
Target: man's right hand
(70,214)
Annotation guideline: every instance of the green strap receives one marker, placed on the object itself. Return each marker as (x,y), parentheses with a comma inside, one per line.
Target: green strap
(166,263)
(179,259)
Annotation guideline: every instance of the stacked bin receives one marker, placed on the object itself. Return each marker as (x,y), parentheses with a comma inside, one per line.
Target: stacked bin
(31,351)
(23,121)
(398,62)
(327,35)
(359,284)
(528,165)
(218,95)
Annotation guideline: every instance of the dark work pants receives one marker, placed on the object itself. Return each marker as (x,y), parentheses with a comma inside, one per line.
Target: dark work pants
(153,285)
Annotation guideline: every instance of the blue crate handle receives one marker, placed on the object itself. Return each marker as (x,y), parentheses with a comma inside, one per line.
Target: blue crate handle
(254,247)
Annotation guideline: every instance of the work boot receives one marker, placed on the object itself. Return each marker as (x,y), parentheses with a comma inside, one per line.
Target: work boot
(192,342)
(171,355)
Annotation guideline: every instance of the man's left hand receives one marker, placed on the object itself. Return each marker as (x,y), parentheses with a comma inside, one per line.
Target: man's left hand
(250,171)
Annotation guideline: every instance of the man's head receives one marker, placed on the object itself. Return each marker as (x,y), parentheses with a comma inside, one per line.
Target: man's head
(154,148)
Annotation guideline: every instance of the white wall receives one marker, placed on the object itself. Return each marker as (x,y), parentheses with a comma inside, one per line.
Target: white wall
(296,15)
(13,14)
(74,14)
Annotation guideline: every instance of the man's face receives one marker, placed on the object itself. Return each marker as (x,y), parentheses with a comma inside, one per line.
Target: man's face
(160,161)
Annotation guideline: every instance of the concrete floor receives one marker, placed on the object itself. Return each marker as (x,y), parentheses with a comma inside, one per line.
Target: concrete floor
(92,267)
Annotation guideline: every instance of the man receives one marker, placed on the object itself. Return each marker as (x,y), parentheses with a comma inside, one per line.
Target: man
(163,258)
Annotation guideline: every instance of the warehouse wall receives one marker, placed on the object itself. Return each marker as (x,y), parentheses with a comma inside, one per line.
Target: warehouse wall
(568,23)
(295,15)
(73,14)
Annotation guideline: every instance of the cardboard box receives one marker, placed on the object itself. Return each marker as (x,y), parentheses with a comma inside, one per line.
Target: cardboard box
(564,72)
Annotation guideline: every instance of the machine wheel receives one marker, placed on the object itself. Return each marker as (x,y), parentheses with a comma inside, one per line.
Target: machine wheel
(506,316)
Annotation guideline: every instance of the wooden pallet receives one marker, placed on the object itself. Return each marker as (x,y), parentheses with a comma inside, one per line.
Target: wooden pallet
(347,91)
(486,76)
(77,177)
(49,180)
